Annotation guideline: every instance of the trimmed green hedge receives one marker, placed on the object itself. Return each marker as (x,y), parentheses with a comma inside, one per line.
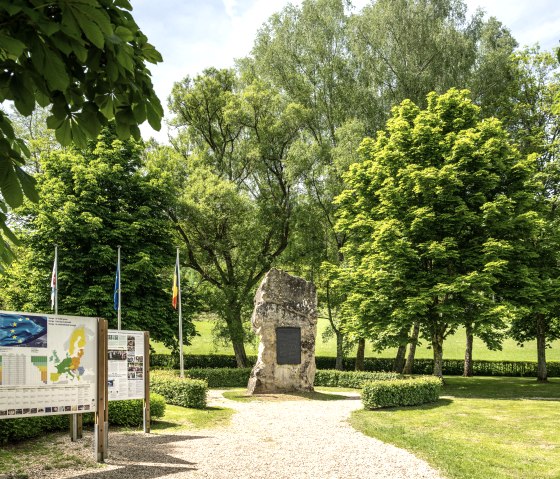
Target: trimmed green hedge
(451,367)
(121,413)
(221,377)
(407,392)
(185,392)
(350,379)
(130,412)
(238,377)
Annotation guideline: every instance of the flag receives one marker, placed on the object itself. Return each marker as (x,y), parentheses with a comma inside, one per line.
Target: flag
(175,284)
(53,285)
(117,286)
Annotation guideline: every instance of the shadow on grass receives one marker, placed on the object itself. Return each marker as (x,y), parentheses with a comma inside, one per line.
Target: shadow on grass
(509,388)
(442,402)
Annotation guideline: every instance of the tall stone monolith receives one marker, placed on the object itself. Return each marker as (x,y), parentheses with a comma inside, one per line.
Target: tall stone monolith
(285,320)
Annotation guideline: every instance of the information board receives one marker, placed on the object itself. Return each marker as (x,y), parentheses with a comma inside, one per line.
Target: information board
(48,364)
(126,364)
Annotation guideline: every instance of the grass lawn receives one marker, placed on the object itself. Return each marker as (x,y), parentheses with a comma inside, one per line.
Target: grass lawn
(454,347)
(482,428)
(178,418)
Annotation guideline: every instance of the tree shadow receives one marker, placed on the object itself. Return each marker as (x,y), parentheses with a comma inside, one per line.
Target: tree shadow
(441,402)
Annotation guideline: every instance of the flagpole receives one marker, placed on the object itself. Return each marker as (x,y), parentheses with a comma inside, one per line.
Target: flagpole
(181,365)
(56,280)
(119,288)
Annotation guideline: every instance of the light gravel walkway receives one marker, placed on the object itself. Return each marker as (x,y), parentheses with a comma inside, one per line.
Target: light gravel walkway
(268,439)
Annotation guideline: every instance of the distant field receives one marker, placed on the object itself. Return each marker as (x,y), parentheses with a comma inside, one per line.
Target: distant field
(454,347)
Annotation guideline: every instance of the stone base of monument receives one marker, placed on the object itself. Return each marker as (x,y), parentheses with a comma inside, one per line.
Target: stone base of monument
(285,319)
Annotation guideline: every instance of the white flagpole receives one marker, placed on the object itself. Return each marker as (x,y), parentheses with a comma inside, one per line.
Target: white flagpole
(56,280)
(119,288)
(181,365)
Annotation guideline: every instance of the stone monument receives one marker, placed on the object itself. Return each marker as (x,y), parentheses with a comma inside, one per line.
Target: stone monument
(285,319)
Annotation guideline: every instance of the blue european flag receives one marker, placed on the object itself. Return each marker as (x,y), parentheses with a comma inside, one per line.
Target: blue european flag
(116,291)
(23,330)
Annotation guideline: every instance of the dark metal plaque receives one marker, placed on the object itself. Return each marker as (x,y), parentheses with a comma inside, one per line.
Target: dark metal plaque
(288,345)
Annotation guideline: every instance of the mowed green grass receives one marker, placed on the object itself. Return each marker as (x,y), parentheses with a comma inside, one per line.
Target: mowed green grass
(500,428)
(454,347)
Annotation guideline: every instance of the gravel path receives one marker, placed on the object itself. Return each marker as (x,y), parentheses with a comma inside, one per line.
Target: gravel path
(293,439)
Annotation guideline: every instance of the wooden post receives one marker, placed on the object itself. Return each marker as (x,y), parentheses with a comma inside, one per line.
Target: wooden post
(147,417)
(102,413)
(76,427)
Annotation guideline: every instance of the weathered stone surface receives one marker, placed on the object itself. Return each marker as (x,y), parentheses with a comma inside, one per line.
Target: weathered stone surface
(284,301)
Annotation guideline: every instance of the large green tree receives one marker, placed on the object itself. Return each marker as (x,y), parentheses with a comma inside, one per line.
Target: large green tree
(85,59)
(534,279)
(234,197)
(348,69)
(93,200)
(431,213)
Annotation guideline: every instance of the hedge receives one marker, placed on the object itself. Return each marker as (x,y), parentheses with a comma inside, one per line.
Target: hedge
(350,379)
(121,413)
(221,377)
(185,392)
(407,392)
(451,367)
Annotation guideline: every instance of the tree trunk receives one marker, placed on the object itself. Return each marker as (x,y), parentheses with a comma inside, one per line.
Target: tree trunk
(235,328)
(398,365)
(339,350)
(412,349)
(437,346)
(468,367)
(541,349)
(360,354)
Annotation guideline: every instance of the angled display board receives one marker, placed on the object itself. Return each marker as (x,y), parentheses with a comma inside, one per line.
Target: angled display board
(126,364)
(48,364)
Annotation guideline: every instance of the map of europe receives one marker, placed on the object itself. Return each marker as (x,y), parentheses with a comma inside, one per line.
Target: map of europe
(70,366)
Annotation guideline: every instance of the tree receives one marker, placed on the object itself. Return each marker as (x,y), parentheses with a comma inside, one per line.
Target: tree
(93,200)
(348,70)
(84,59)
(535,273)
(430,213)
(235,199)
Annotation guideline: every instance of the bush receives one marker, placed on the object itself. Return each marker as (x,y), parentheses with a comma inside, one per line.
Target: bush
(222,377)
(408,392)
(451,367)
(121,413)
(185,392)
(350,379)
(130,413)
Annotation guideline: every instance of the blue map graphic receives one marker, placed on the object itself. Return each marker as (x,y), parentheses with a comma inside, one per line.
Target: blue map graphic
(21,330)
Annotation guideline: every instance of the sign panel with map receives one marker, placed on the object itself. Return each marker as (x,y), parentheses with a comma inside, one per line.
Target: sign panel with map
(48,364)
(126,364)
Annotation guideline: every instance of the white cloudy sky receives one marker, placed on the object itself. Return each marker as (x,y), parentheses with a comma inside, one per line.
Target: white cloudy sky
(196,34)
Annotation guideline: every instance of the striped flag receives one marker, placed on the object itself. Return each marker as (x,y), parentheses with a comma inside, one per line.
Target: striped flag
(175,284)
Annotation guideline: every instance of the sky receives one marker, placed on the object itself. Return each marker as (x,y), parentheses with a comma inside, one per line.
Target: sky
(193,35)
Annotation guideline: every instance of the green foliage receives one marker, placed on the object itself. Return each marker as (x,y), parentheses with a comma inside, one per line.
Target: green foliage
(221,377)
(179,392)
(432,213)
(350,379)
(87,61)
(408,392)
(92,201)
(233,197)
(129,413)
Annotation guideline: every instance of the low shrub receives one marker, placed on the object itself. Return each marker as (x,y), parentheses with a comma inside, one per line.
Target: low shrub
(408,392)
(185,392)
(451,367)
(350,379)
(221,377)
(121,413)
(130,413)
